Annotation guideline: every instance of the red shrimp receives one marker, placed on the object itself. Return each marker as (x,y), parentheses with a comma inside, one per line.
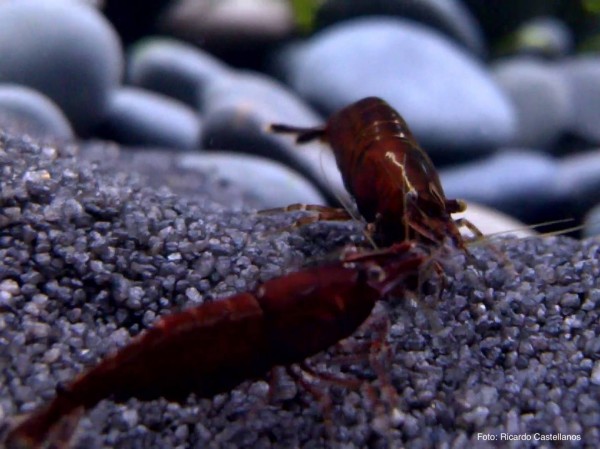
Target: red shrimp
(395,185)
(213,347)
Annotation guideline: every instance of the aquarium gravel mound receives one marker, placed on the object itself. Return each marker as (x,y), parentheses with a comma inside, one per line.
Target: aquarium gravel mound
(501,345)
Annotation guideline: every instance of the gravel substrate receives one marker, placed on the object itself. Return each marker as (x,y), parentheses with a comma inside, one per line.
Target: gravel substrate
(90,256)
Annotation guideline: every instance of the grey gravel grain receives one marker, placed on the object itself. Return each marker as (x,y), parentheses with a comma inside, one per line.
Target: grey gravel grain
(91,254)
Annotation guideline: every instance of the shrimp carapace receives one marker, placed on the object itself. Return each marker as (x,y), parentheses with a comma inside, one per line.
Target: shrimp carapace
(394,182)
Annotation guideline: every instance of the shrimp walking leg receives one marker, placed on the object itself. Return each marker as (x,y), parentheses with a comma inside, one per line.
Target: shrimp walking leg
(316,213)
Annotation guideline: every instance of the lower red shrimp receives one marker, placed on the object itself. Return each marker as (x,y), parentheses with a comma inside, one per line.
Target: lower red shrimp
(212,348)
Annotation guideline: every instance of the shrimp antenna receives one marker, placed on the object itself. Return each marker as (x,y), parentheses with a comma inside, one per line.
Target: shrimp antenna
(493,235)
(535,226)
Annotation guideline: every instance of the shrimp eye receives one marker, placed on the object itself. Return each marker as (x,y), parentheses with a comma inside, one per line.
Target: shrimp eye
(375,273)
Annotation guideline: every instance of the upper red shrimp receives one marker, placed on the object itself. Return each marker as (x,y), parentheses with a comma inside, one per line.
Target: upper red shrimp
(213,347)
(395,185)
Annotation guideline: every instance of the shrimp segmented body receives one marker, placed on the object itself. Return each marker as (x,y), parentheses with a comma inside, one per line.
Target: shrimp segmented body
(217,345)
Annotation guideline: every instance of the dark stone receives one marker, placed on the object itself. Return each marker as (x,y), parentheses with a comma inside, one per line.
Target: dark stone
(139,117)
(592,222)
(173,68)
(448,99)
(65,50)
(520,183)
(450,17)
(270,183)
(26,111)
(541,100)
(582,75)
(238,111)
(239,32)
(578,181)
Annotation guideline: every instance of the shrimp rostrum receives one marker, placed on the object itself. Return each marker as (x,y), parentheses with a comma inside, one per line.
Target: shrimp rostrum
(393,181)
(213,347)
